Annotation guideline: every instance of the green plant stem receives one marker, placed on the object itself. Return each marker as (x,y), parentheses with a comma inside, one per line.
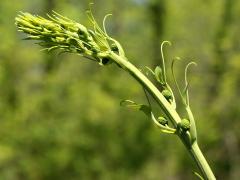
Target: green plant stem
(197,155)
(149,86)
(169,111)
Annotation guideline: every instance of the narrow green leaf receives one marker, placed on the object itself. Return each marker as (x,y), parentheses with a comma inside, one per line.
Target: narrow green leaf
(127,103)
(198,175)
(141,107)
(158,72)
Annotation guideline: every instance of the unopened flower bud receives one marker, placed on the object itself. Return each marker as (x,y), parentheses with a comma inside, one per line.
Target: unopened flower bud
(162,120)
(185,124)
(167,94)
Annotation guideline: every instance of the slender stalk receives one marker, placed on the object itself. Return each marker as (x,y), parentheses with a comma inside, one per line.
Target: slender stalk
(201,162)
(169,112)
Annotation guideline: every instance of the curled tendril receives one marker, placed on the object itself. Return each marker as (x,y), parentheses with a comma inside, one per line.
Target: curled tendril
(104,23)
(60,17)
(163,59)
(99,35)
(97,29)
(175,80)
(103,33)
(186,80)
(185,95)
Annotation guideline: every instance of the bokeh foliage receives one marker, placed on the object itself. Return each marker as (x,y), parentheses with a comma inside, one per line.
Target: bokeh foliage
(60,115)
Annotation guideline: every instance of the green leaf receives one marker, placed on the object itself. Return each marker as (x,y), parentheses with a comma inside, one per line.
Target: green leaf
(198,175)
(128,103)
(158,72)
(141,107)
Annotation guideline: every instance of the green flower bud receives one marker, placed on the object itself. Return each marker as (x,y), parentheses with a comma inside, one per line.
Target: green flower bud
(185,124)
(59,39)
(53,28)
(29,31)
(59,32)
(73,42)
(23,22)
(162,120)
(167,94)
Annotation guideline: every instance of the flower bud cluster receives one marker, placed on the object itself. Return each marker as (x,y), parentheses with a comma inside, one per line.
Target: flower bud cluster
(59,32)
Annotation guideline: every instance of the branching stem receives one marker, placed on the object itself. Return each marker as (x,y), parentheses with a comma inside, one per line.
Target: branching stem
(169,112)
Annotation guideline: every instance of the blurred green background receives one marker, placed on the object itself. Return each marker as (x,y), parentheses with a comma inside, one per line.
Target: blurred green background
(60,116)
